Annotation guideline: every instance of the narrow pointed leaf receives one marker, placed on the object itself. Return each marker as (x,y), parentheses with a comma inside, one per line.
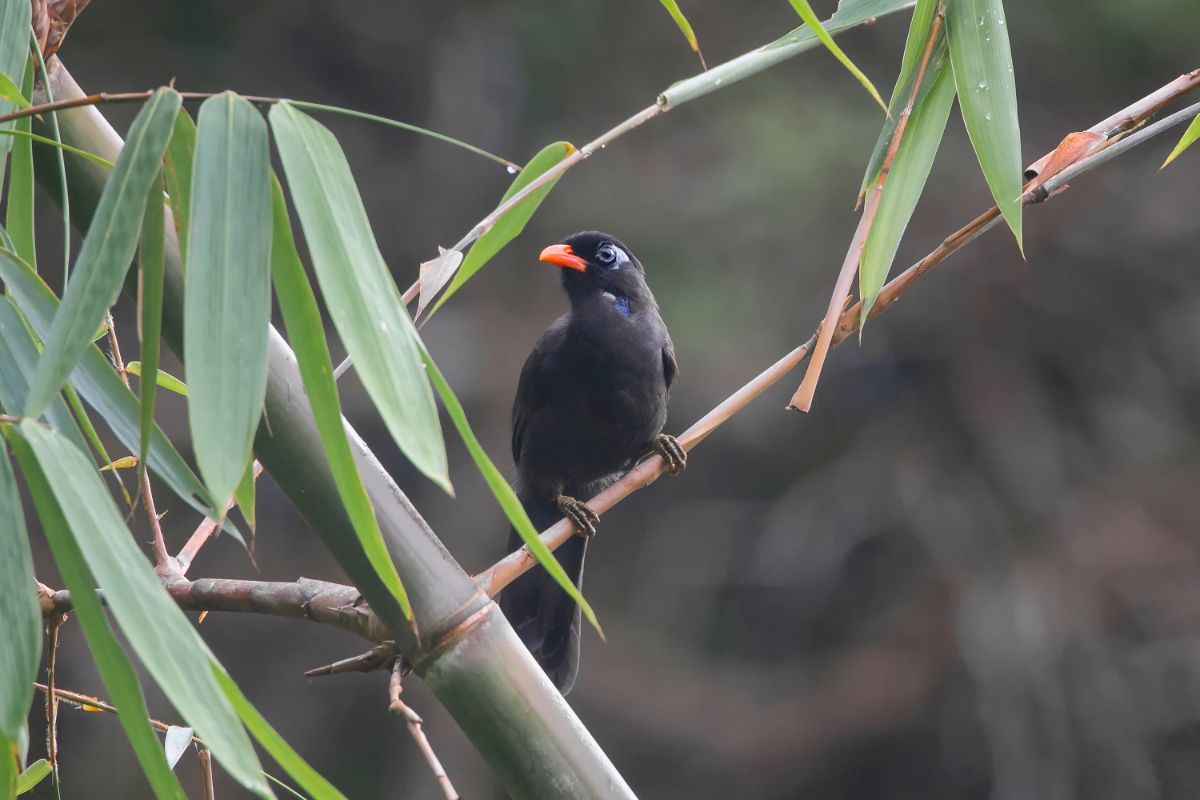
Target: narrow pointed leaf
(1190,136)
(19,220)
(18,360)
(511,224)
(150,298)
(157,630)
(906,180)
(20,616)
(107,249)
(227,305)
(34,774)
(307,777)
(245,495)
(685,27)
(18,134)
(115,669)
(987,95)
(813,22)
(10,757)
(359,291)
(164,379)
(181,151)
(306,332)
(504,493)
(14,53)
(100,385)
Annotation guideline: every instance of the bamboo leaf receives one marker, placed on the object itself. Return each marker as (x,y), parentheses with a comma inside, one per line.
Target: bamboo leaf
(359,291)
(164,379)
(511,224)
(115,669)
(307,334)
(987,96)
(34,774)
(810,19)
(504,493)
(19,219)
(99,161)
(308,778)
(20,616)
(15,19)
(100,385)
(227,305)
(906,180)
(850,14)
(685,28)
(150,297)
(10,93)
(1187,140)
(107,250)
(245,495)
(157,630)
(10,758)
(181,151)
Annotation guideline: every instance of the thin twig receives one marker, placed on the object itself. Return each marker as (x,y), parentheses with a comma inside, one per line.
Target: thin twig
(377,657)
(803,397)
(397,707)
(206,773)
(203,532)
(55,625)
(512,566)
(162,558)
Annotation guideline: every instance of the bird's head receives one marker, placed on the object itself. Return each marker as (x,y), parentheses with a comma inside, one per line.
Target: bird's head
(594,263)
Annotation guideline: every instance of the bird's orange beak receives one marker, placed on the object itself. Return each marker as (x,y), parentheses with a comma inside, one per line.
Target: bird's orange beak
(560,255)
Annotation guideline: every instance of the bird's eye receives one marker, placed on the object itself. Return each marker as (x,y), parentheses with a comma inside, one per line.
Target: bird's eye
(606,254)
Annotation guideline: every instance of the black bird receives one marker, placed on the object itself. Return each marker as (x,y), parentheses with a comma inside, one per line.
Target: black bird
(592,400)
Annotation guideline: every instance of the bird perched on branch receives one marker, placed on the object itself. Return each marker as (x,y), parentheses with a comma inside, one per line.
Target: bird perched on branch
(592,400)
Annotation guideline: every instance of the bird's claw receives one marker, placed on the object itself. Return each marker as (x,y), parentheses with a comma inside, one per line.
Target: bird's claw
(580,514)
(673,455)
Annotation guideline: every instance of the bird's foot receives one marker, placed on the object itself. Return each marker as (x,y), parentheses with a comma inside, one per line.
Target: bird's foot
(580,514)
(673,455)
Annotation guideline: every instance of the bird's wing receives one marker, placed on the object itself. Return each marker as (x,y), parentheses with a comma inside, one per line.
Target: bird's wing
(670,367)
(533,387)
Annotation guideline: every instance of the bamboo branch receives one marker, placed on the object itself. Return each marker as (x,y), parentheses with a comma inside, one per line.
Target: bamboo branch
(1117,128)
(413,720)
(204,532)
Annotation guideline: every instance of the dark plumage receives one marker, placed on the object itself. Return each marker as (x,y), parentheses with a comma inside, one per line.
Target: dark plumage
(591,400)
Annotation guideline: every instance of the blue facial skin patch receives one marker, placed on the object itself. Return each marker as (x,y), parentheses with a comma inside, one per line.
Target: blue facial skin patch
(622,305)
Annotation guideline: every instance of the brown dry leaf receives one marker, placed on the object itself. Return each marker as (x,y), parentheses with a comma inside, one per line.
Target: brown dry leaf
(1074,147)
(41,23)
(435,273)
(62,14)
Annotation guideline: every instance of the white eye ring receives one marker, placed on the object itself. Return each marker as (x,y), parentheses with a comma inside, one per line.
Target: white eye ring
(606,254)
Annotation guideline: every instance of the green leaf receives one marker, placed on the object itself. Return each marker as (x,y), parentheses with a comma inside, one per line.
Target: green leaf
(99,383)
(115,669)
(99,161)
(107,249)
(245,494)
(10,93)
(19,220)
(914,48)
(511,224)
(150,298)
(306,332)
(9,754)
(359,291)
(684,26)
(34,774)
(504,493)
(906,180)
(15,19)
(987,95)
(227,305)
(164,379)
(850,14)
(181,152)
(80,414)
(18,360)
(20,615)
(308,778)
(810,19)
(1187,140)
(157,630)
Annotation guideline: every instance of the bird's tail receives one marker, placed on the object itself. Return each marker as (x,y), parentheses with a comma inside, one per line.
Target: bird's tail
(545,618)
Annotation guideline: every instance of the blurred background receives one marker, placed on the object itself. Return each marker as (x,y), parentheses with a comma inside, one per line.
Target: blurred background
(973,571)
